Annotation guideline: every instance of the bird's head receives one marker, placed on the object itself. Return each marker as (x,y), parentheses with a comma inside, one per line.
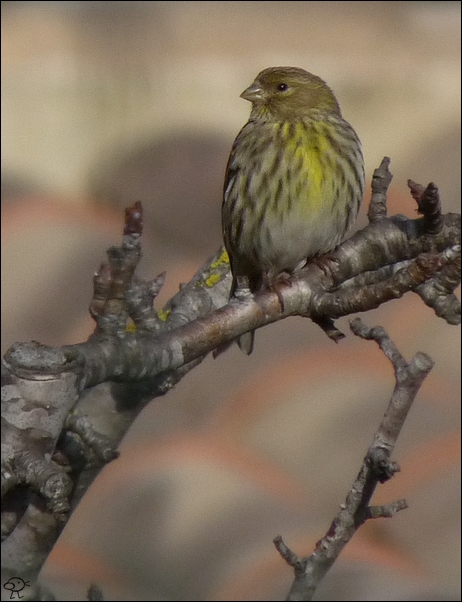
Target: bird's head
(289,93)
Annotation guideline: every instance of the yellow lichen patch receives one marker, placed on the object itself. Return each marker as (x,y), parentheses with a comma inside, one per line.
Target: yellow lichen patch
(214,277)
(212,280)
(223,258)
(163,314)
(131,327)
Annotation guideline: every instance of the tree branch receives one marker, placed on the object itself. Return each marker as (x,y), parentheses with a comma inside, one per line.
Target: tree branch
(65,410)
(377,468)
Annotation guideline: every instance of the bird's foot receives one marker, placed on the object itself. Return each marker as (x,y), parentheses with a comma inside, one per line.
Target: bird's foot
(327,263)
(275,284)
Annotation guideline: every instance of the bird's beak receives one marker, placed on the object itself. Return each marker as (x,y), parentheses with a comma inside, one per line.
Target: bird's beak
(253,93)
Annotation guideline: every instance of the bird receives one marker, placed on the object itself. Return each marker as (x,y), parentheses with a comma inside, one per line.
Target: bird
(293,184)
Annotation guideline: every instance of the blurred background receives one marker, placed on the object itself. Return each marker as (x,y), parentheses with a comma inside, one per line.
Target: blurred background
(107,103)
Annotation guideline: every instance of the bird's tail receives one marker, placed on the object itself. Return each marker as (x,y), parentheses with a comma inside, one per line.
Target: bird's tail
(246,342)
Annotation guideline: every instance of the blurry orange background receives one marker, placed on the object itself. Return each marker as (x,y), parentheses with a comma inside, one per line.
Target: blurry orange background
(106,103)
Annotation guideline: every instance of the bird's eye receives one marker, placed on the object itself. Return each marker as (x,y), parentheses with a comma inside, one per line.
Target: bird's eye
(283,87)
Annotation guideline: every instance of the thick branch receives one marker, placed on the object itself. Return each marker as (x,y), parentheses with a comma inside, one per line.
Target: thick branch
(137,353)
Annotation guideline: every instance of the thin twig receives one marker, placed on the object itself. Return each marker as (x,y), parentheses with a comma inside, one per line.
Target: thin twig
(377,468)
(381,180)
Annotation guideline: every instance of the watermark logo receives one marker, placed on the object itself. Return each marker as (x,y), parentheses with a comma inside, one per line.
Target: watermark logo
(15,585)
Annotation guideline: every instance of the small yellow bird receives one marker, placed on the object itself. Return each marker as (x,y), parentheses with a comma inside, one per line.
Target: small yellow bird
(294,180)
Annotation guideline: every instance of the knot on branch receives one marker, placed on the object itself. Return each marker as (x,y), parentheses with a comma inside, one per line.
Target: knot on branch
(429,205)
(382,467)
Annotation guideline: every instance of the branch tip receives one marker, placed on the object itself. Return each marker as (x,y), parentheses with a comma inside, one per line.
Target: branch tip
(134,219)
(388,510)
(381,181)
(290,557)
(429,205)
(374,333)
(416,189)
